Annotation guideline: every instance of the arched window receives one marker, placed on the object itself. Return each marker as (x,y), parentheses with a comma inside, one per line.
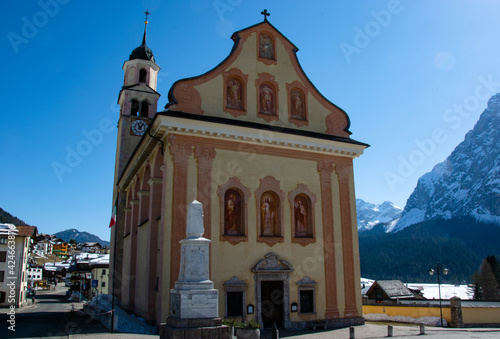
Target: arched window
(234,94)
(302,216)
(142,75)
(134,108)
(269,198)
(302,203)
(297,104)
(144,108)
(233,212)
(298,110)
(266,46)
(233,197)
(267,99)
(269,215)
(235,84)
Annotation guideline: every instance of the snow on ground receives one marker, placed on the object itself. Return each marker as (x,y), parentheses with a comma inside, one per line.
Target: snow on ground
(126,323)
(431,291)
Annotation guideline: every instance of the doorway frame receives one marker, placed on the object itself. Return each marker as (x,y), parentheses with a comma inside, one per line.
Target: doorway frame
(272,268)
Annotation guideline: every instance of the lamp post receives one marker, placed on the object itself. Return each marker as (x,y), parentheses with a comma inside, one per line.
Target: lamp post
(439,269)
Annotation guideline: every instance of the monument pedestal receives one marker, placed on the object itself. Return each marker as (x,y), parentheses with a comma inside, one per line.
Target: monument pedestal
(194,303)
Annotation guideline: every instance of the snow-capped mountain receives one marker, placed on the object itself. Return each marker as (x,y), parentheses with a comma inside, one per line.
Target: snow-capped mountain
(81,237)
(370,215)
(467,182)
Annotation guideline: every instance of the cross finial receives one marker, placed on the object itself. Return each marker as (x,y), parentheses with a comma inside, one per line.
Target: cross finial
(265,13)
(147,13)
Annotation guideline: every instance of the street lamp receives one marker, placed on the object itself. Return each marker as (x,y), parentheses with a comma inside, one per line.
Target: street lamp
(439,269)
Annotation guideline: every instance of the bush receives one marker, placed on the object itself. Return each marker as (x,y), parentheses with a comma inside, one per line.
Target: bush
(247,325)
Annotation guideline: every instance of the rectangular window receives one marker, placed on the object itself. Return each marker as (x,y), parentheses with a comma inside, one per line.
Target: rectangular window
(103,272)
(3,256)
(2,297)
(307,301)
(103,284)
(234,301)
(2,273)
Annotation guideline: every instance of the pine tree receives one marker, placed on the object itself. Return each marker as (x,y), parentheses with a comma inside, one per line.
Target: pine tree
(474,289)
(488,282)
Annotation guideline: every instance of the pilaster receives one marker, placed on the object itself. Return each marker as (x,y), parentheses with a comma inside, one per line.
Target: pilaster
(325,169)
(344,171)
(180,151)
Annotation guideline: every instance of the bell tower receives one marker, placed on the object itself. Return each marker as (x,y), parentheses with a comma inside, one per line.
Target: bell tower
(138,100)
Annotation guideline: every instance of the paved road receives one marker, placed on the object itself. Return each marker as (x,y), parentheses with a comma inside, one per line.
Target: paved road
(50,317)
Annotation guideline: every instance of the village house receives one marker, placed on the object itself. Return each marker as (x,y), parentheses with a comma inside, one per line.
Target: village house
(15,243)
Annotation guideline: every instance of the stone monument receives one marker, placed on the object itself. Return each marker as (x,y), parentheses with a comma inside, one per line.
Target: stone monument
(194,303)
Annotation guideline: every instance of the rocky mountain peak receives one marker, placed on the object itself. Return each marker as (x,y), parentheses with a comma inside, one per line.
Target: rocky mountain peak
(467,182)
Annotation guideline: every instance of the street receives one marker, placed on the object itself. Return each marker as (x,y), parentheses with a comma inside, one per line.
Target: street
(50,317)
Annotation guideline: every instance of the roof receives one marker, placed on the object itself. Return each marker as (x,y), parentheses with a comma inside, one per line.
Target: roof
(27,231)
(91,244)
(393,288)
(6,229)
(142,52)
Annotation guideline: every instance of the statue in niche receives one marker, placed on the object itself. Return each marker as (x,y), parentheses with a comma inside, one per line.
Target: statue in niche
(234,94)
(232,213)
(297,102)
(300,217)
(266,46)
(266,99)
(268,215)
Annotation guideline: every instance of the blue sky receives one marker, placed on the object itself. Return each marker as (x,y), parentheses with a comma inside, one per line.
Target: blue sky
(413,76)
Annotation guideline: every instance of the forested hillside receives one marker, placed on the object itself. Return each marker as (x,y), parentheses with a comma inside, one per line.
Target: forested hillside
(6,217)
(460,244)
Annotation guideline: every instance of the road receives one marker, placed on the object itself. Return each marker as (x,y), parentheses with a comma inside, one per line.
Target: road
(51,317)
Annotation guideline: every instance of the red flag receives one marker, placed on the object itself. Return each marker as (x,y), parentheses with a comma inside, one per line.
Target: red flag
(113,215)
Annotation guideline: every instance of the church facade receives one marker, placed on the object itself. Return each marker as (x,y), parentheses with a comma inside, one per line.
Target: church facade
(271,161)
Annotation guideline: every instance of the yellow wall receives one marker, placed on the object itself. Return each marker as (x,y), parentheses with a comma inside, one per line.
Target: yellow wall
(408,311)
(481,315)
(471,315)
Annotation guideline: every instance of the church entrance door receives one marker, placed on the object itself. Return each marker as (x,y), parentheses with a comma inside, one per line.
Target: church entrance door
(272,303)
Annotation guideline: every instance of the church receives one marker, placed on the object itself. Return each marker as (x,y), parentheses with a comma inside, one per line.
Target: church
(270,159)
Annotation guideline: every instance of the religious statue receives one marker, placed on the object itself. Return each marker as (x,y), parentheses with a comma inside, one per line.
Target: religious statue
(266,99)
(266,46)
(232,213)
(234,94)
(297,105)
(300,220)
(268,216)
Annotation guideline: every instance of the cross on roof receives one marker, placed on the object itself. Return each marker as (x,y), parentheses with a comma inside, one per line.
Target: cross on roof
(265,13)
(147,13)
